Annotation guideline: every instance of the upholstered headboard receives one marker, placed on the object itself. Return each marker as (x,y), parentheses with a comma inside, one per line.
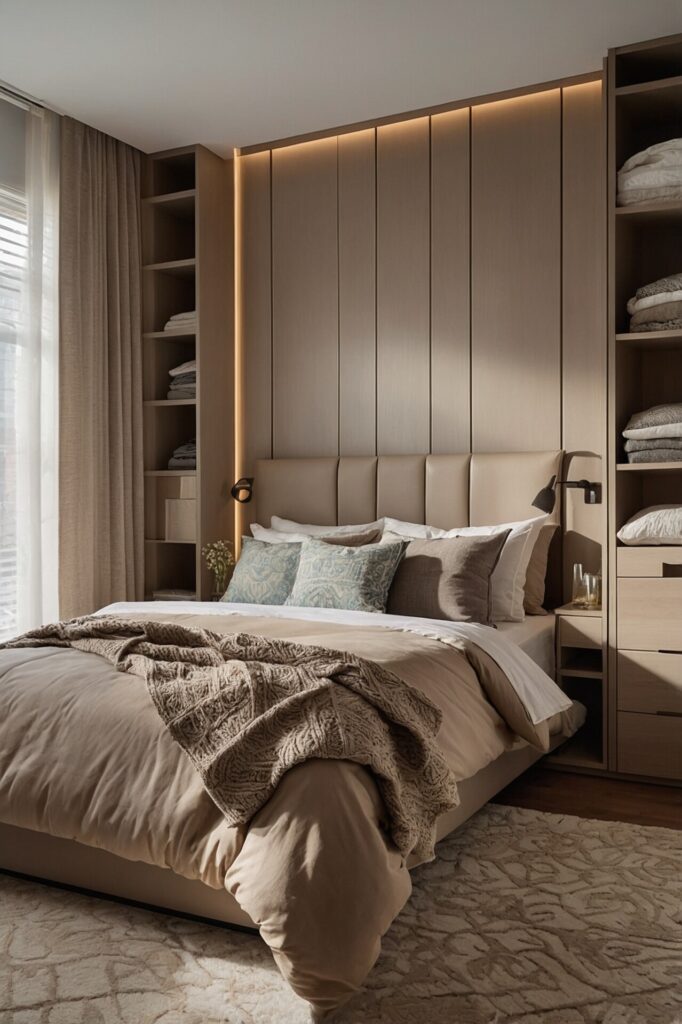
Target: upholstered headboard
(441,490)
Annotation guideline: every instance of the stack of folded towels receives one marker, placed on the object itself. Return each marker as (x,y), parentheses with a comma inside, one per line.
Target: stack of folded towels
(185,322)
(184,456)
(657,306)
(652,175)
(183,380)
(655,435)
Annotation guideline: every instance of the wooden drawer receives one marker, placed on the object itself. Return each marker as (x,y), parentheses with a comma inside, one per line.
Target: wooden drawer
(649,682)
(650,745)
(650,561)
(650,614)
(580,631)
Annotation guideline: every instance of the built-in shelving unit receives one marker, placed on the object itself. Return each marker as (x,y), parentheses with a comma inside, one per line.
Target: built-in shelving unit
(645,369)
(187,265)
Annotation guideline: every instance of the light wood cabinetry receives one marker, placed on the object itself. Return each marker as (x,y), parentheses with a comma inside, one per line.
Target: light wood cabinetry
(580,671)
(187,255)
(645,625)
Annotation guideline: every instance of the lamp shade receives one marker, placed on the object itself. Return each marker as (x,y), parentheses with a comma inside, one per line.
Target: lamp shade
(545,499)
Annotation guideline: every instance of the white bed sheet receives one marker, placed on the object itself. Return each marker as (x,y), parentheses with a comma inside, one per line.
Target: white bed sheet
(535,637)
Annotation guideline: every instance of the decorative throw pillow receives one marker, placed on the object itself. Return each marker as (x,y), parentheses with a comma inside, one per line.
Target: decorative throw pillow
(332,576)
(658,524)
(447,578)
(510,574)
(308,530)
(351,540)
(536,573)
(264,574)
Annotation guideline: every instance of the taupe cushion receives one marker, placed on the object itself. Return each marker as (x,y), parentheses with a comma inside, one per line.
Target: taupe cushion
(446,579)
(536,573)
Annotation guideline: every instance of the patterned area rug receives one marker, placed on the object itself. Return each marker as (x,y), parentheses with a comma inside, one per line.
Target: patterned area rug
(525,918)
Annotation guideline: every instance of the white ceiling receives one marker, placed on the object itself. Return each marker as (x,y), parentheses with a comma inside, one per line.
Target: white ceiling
(164,73)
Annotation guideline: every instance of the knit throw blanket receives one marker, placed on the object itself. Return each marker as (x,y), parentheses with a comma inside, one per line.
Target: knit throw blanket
(246,709)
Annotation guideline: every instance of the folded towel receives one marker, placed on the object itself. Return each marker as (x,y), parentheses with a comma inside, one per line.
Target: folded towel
(182,379)
(182,393)
(662,290)
(191,314)
(651,319)
(658,167)
(634,196)
(653,442)
(189,367)
(659,421)
(656,455)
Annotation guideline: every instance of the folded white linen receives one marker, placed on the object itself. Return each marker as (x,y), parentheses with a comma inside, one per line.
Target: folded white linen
(187,367)
(539,694)
(658,167)
(191,314)
(308,530)
(649,433)
(637,305)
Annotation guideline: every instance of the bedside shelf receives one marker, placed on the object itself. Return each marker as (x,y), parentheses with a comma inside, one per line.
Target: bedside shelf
(649,467)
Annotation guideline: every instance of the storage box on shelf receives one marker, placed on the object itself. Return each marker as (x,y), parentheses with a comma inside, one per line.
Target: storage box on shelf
(187,265)
(580,651)
(645,613)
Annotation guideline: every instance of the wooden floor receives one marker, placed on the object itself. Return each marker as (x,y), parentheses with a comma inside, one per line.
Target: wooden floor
(591,797)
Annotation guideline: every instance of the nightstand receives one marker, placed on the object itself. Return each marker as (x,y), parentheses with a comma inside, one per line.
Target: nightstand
(580,672)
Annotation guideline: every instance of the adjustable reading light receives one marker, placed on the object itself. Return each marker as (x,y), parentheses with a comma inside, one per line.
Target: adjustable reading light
(242,491)
(546,498)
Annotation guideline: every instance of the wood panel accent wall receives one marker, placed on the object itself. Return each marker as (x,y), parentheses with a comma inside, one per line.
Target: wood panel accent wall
(434,284)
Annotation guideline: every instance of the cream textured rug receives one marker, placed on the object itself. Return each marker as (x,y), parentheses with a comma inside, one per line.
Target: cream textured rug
(524,918)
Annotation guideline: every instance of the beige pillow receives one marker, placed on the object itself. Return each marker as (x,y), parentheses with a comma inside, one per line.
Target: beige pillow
(536,573)
(351,540)
(446,579)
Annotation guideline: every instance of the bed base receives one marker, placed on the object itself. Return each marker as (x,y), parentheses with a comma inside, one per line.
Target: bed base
(67,862)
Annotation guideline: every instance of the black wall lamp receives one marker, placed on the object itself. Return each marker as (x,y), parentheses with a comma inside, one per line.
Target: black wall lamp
(242,491)
(545,500)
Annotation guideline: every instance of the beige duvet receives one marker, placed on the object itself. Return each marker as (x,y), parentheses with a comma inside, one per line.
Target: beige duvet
(84,756)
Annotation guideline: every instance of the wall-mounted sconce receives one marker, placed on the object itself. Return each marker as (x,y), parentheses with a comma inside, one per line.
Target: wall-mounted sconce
(545,500)
(242,491)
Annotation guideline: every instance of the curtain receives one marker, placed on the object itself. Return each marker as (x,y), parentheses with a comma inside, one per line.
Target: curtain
(101,546)
(29,198)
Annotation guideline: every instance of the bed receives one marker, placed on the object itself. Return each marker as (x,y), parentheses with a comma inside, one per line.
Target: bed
(83,802)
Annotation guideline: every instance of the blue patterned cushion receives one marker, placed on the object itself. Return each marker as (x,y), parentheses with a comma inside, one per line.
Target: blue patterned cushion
(264,574)
(342,577)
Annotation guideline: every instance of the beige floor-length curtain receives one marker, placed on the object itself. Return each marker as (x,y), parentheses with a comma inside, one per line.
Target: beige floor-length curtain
(101,484)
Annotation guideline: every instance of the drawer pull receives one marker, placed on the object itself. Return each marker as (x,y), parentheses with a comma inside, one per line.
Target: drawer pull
(669,570)
(670,714)
(666,650)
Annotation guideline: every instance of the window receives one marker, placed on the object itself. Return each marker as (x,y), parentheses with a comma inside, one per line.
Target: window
(28,367)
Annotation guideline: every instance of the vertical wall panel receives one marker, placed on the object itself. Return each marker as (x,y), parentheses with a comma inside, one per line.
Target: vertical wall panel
(450,283)
(256,309)
(584,326)
(516,273)
(357,291)
(403,315)
(305,300)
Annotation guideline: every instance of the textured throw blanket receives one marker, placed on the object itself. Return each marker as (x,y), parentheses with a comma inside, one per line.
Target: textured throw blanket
(246,708)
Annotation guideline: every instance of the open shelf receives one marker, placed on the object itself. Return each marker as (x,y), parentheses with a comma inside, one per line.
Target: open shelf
(170,335)
(160,403)
(170,472)
(649,467)
(663,211)
(181,203)
(177,268)
(162,540)
(650,339)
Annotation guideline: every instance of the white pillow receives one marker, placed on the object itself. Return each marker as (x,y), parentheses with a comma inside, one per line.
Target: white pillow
(289,526)
(658,524)
(276,536)
(415,531)
(509,576)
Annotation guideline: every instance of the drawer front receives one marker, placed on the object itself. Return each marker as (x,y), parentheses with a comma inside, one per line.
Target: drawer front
(650,614)
(580,631)
(650,745)
(666,562)
(649,682)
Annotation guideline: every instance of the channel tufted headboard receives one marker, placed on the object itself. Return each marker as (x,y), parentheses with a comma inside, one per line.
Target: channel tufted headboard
(441,490)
